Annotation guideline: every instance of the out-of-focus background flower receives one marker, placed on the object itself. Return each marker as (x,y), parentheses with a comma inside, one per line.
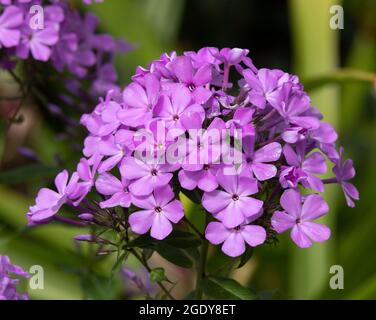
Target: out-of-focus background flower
(336,67)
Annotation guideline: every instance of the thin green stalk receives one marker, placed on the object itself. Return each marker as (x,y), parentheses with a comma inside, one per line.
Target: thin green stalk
(201,267)
(315,53)
(145,264)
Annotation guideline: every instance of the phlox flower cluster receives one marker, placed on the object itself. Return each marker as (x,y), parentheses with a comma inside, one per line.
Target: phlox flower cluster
(9,281)
(68,40)
(262,175)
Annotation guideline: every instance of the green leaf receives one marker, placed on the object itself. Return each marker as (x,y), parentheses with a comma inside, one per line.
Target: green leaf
(226,289)
(118,263)
(245,257)
(192,195)
(158,275)
(181,257)
(147,253)
(141,242)
(26,174)
(182,239)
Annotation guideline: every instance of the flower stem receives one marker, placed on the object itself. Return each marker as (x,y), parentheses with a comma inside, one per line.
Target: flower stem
(145,264)
(193,227)
(200,275)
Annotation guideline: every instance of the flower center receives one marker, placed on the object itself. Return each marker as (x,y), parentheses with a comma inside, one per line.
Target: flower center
(154,172)
(158,209)
(206,167)
(175,117)
(297,221)
(235,197)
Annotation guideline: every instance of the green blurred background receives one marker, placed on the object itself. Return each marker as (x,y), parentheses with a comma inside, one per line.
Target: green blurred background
(336,66)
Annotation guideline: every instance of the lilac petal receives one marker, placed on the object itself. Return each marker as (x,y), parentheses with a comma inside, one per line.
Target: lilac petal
(291,156)
(348,171)
(47,198)
(142,187)
(183,69)
(258,99)
(144,202)
(229,182)
(269,153)
(246,186)
(216,201)
(249,206)
(161,227)
(180,99)
(216,233)
(42,215)
(351,192)
(161,180)
(243,115)
(189,179)
(174,211)
(264,171)
(234,245)
(253,235)
(118,199)
(291,202)
(314,207)
(203,76)
(132,168)
(163,195)
(306,122)
(315,183)
(141,221)
(252,80)
(107,184)
(201,95)
(135,96)
(315,163)
(110,163)
(231,216)
(207,182)
(300,238)
(152,86)
(61,181)
(281,221)
(316,232)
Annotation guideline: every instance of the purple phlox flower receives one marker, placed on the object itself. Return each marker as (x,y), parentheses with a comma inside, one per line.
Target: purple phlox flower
(344,171)
(140,101)
(258,162)
(145,176)
(194,79)
(115,148)
(115,189)
(242,121)
(261,86)
(232,205)
(49,202)
(234,239)
(292,105)
(172,109)
(91,149)
(38,41)
(204,56)
(203,146)
(302,169)
(7,267)
(8,284)
(299,218)
(205,179)
(86,173)
(139,282)
(326,137)
(160,211)
(234,56)
(10,22)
